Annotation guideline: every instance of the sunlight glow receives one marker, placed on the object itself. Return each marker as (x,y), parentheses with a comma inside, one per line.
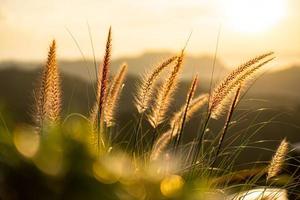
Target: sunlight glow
(253,16)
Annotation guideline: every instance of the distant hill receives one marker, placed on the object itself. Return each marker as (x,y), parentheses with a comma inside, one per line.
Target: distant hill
(284,82)
(16,85)
(137,65)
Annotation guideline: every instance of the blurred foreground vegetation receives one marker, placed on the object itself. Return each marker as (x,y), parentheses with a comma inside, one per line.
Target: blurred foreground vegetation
(61,165)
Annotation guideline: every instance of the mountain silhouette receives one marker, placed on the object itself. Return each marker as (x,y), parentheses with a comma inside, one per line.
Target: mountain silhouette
(85,69)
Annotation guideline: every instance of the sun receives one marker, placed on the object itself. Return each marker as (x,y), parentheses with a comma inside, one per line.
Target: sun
(252,16)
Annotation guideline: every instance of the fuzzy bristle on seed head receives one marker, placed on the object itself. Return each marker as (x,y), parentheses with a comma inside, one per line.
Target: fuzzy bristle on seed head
(278,159)
(165,94)
(222,95)
(160,145)
(182,116)
(102,81)
(165,138)
(48,94)
(113,96)
(243,67)
(195,105)
(146,88)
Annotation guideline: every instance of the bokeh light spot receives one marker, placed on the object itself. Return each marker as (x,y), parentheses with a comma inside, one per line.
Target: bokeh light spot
(27,141)
(171,186)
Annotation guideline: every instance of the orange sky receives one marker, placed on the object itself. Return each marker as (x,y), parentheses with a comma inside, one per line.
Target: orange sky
(26,27)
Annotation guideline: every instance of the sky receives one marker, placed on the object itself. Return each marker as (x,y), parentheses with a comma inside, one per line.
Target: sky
(245,28)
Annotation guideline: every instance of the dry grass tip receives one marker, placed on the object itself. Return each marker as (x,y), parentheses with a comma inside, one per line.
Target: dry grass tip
(48,94)
(278,159)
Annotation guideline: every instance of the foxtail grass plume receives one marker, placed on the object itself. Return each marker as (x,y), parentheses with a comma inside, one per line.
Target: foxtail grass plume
(145,91)
(222,95)
(166,137)
(164,96)
(183,117)
(113,96)
(278,159)
(48,94)
(242,68)
(188,110)
(102,82)
(195,105)
(161,144)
